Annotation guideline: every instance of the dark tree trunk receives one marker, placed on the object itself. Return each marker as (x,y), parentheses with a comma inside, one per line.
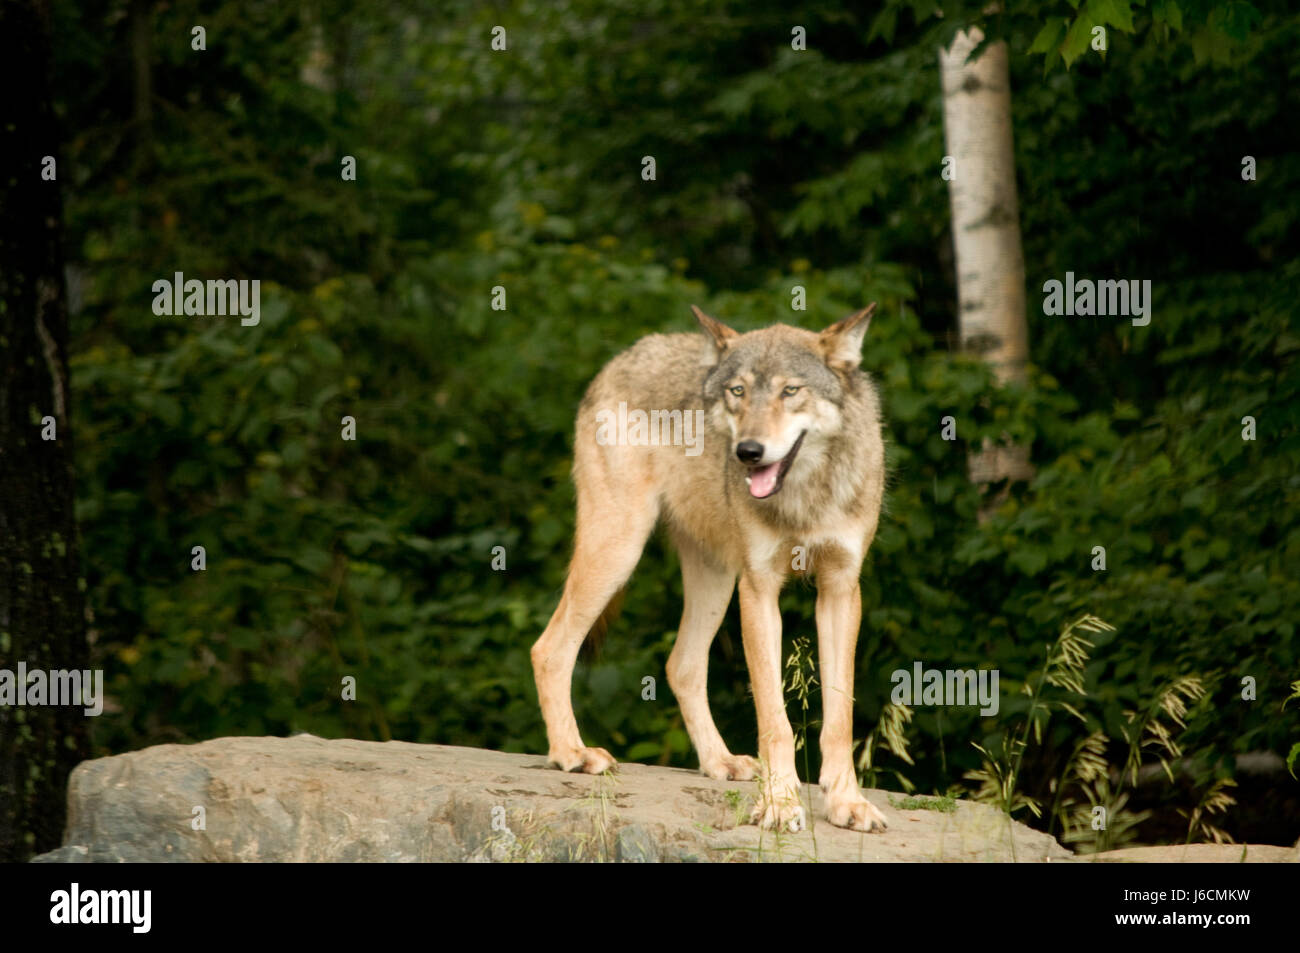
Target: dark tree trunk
(42,621)
(141,59)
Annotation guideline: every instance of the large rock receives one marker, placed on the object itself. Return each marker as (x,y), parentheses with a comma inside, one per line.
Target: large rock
(309,799)
(1201,854)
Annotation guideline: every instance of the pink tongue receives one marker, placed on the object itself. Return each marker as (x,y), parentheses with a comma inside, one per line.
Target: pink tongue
(762,481)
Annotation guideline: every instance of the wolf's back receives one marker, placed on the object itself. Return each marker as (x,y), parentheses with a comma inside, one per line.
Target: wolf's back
(658,372)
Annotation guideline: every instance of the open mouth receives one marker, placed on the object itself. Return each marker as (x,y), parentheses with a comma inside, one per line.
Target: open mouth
(767,480)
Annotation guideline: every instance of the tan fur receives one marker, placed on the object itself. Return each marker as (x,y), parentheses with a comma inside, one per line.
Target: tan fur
(828,504)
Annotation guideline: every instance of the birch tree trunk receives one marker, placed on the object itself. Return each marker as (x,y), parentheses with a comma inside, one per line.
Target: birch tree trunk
(986,227)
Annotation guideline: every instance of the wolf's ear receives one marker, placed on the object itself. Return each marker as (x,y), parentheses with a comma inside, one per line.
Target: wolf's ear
(718,333)
(841,343)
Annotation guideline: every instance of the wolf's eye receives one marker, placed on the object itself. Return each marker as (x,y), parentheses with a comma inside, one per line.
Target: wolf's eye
(791,389)
(738,390)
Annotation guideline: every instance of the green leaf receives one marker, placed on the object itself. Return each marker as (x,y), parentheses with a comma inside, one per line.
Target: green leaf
(1028,558)
(281,381)
(1049,37)
(1077,39)
(643,750)
(1114,13)
(1168,11)
(884,24)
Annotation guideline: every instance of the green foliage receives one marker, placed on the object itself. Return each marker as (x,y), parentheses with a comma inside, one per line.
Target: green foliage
(944,805)
(1063,669)
(372,559)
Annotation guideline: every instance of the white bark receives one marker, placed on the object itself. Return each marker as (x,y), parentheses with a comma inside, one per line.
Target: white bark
(986,225)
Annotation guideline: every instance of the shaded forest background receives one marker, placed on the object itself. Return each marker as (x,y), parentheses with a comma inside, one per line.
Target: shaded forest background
(775,168)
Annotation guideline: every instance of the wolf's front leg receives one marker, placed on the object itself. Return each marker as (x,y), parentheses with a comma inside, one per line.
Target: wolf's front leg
(760,621)
(839,614)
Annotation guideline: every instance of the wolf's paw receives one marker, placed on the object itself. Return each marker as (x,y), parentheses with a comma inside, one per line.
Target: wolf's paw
(780,813)
(732,767)
(586,760)
(856,813)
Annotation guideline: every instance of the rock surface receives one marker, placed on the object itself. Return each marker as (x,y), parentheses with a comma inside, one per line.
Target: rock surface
(1202,854)
(309,799)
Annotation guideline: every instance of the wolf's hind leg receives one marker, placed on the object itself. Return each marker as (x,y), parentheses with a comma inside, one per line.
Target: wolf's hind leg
(610,534)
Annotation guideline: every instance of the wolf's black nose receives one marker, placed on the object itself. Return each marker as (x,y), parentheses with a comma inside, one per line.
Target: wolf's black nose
(749,451)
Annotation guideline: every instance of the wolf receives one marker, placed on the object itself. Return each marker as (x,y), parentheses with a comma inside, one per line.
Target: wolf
(789,478)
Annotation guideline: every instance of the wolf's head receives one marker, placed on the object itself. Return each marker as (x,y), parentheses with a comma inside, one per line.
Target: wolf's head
(780,392)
